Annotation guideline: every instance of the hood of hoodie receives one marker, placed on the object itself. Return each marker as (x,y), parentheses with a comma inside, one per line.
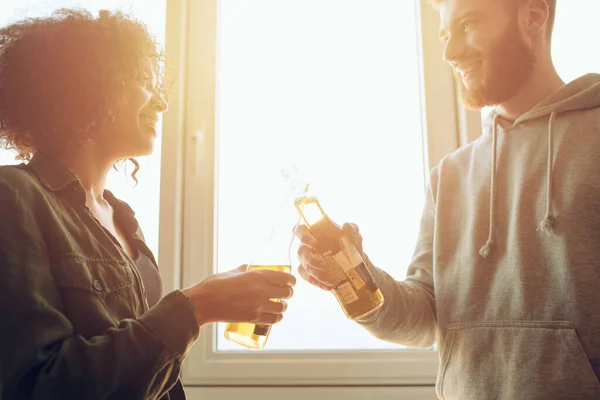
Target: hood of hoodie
(579,94)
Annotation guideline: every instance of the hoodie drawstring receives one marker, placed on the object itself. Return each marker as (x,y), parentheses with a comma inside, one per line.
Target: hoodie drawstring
(487,247)
(549,219)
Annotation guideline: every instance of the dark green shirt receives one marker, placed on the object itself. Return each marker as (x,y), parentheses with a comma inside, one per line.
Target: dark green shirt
(75,321)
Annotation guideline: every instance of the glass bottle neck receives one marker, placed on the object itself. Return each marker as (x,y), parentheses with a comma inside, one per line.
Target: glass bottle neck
(310,210)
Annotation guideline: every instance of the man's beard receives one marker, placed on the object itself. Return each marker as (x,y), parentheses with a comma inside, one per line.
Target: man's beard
(508,67)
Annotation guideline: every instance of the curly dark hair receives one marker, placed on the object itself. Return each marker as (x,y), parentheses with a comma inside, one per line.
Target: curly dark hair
(62,77)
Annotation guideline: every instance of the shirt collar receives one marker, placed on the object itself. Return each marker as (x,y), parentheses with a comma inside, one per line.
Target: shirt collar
(54,176)
(62,180)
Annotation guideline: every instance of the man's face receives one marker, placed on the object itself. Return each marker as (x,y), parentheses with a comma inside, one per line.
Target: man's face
(484,46)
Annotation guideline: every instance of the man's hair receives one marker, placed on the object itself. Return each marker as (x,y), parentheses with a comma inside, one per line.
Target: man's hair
(551,12)
(64,76)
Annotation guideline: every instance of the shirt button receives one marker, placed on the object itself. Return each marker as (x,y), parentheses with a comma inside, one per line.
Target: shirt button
(97,286)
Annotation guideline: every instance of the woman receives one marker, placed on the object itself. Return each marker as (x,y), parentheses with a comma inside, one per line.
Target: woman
(83,316)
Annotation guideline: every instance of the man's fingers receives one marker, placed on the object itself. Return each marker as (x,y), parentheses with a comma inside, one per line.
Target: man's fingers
(305,237)
(314,265)
(307,257)
(318,280)
(321,285)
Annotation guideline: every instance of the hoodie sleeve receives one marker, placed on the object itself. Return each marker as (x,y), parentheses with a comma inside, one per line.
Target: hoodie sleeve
(407,316)
(41,357)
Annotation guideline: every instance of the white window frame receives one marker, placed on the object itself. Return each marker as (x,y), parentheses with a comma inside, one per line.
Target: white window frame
(188,201)
(173,138)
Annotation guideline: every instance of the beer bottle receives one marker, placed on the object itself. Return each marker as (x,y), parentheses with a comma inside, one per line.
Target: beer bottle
(355,289)
(275,255)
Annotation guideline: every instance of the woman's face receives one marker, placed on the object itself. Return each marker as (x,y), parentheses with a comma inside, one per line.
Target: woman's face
(136,125)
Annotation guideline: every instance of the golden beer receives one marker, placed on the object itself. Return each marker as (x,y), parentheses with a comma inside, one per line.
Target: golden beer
(253,336)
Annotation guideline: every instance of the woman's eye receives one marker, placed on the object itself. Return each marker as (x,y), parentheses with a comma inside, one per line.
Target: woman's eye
(466,25)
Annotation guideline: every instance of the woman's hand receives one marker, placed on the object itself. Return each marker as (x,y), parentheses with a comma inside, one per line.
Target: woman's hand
(241,296)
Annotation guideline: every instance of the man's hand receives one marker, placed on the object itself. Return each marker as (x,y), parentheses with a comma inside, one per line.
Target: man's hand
(313,268)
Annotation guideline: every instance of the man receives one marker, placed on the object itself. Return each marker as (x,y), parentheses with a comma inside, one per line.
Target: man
(506,269)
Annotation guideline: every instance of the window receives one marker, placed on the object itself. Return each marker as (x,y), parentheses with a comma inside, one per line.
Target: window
(575,22)
(338,89)
(144,198)
(319,97)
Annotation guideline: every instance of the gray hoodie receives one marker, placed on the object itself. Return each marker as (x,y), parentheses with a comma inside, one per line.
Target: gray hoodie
(506,271)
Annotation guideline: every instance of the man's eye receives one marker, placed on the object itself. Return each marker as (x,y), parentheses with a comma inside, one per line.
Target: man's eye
(466,25)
